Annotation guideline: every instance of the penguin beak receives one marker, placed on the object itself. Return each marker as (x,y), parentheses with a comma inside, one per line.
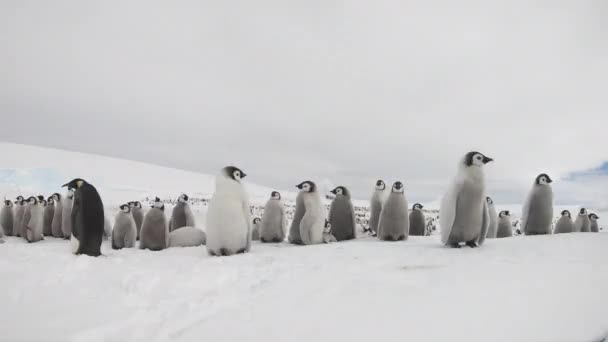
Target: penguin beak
(487,159)
(421,206)
(334,191)
(243,174)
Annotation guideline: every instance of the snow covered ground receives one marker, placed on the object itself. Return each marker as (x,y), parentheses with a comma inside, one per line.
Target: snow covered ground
(541,288)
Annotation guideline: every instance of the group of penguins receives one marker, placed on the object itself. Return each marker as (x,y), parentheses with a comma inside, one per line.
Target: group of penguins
(467,216)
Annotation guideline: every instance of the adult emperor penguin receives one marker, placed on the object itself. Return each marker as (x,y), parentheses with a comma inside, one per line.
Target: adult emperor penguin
(228,216)
(66,216)
(255,229)
(504,229)
(492,228)
(582,224)
(313,219)
(274,220)
(342,215)
(87,218)
(32,220)
(124,233)
(182,214)
(464,215)
(594,226)
(394,224)
(537,212)
(376,205)
(417,221)
(49,212)
(328,237)
(564,224)
(20,205)
(6,217)
(57,216)
(138,215)
(154,234)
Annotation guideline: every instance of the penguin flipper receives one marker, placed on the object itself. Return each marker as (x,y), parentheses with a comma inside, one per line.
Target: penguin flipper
(249,223)
(447,212)
(485,223)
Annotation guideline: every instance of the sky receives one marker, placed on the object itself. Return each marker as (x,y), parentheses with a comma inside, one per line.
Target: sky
(341,92)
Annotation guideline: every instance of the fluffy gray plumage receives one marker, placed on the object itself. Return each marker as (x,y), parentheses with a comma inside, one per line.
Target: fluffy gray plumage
(18,218)
(594,226)
(154,233)
(138,216)
(564,225)
(504,227)
(187,237)
(181,216)
(394,224)
(417,223)
(33,220)
(6,220)
(342,217)
(47,224)
(57,219)
(255,231)
(582,223)
(493,227)
(537,213)
(66,217)
(274,222)
(375,205)
(124,233)
(294,230)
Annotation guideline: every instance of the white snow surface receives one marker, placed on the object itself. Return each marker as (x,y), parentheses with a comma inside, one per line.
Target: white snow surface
(539,288)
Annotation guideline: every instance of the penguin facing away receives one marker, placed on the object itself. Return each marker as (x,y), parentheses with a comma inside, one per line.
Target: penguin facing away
(564,224)
(417,221)
(18,212)
(376,205)
(313,220)
(182,214)
(328,237)
(57,216)
(464,215)
(138,215)
(493,227)
(86,218)
(342,215)
(504,228)
(294,229)
(255,230)
(594,227)
(154,234)
(228,217)
(49,212)
(537,212)
(124,233)
(66,216)
(582,224)
(6,217)
(274,220)
(394,224)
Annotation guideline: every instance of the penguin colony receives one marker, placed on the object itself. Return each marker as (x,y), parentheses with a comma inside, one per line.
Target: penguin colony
(468,216)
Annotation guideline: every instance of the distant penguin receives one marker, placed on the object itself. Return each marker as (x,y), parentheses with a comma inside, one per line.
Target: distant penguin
(582,224)
(417,221)
(18,211)
(57,216)
(33,219)
(342,215)
(394,224)
(187,237)
(6,218)
(228,217)
(594,226)
(66,216)
(49,212)
(138,215)
(505,228)
(182,214)
(328,237)
(294,229)
(255,230)
(493,227)
(124,233)
(537,212)
(87,218)
(376,205)
(313,221)
(154,234)
(464,215)
(274,220)
(564,224)
(27,215)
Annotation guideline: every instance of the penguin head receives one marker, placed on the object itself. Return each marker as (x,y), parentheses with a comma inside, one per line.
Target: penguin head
(234,173)
(42,202)
(183,198)
(256,220)
(158,204)
(504,213)
(74,184)
(19,198)
(307,186)
(583,212)
(8,203)
(56,197)
(380,185)
(593,217)
(125,208)
(327,227)
(398,187)
(417,206)
(543,179)
(489,200)
(70,193)
(566,213)
(340,191)
(137,204)
(32,200)
(475,158)
(275,195)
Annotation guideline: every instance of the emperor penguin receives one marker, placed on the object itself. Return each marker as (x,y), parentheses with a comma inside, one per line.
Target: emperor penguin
(504,229)
(492,228)
(27,214)
(187,237)
(313,219)
(255,230)
(138,215)
(464,215)
(274,220)
(66,216)
(18,212)
(342,215)
(328,237)
(582,224)
(378,197)
(228,216)
(294,229)
(182,214)
(593,220)
(537,212)
(49,212)
(154,234)
(394,224)
(86,218)
(564,224)
(124,233)
(32,219)
(57,216)
(417,221)
(6,217)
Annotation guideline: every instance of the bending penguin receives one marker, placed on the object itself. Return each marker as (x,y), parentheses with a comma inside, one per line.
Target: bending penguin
(49,212)
(394,224)
(376,206)
(6,217)
(182,214)
(18,215)
(564,224)
(313,219)
(504,228)
(594,227)
(537,212)
(582,224)
(417,221)
(138,215)
(328,237)
(342,215)
(124,233)
(228,216)
(86,218)
(66,216)
(255,230)
(154,234)
(57,216)
(464,215)
(274,220)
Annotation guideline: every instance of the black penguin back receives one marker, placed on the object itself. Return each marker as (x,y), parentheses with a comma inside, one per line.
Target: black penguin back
(88,220)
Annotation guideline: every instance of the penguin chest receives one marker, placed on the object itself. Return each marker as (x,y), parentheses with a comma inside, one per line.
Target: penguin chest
(226,223)
(469,213)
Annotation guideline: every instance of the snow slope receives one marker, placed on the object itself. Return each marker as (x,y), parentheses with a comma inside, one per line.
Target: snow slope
(541,288)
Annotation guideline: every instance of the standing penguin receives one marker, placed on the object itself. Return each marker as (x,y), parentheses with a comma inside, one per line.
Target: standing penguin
(47,222)
(294,229)
(376,206)
(228,216)
(313,220)
(66,216)
(274,220)
(182,214)
(6,217)
(328,237)
(32,219)
(255,230)
(154,234)
(87,218)
(582,224)
(493,227)
(504,228)
(464,215)
(138,215)
(57,216)
(537,212)
(417,221)
(27,215)
(124,233)
(564,224)
(18,212)
(594,226)
(342,215)
(394,224)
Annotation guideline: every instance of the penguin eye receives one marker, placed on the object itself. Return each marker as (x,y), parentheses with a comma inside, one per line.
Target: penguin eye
(237,174)
(478,157)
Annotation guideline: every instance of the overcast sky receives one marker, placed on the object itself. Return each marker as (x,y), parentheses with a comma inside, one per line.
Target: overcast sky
(345,91)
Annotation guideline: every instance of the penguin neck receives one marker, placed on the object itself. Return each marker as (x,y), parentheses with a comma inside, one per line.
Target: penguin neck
(473,173)
(225,186)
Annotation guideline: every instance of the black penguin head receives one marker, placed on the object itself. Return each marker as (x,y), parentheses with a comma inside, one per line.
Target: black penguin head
(234,173)
(183,198)
(56,197)
(275,195)
(42,202)
(593,217)
(380,185)
(158,204)
(417,206)
(582,212)
(50,200)
(566,213)
(307,186)
(74,183)
(125,208)
(19,198)
(340,190)
(40,198)
(475,158)
(256,220)
(504,213)
(327,227)
(32,200)
(8,203)
(489,200)
(137,204)
(70,193)
(398,187)
(543,179)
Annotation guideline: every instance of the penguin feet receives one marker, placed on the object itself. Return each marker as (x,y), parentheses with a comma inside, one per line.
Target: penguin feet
(455,245)
(472,244)
(240,251)
(277,240)
(400,238)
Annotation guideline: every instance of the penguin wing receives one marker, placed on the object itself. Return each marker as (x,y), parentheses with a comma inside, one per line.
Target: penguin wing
(485,223)
(525,211)
(447,213)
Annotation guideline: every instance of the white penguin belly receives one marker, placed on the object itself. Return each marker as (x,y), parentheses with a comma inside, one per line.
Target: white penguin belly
(468,220)
(227,226)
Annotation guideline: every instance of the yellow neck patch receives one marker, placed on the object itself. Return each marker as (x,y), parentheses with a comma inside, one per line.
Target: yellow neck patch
(79,183)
